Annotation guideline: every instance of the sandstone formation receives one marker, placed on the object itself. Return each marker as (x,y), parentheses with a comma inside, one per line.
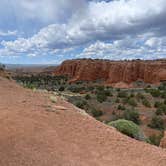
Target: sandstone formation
(36,132)
(112,72)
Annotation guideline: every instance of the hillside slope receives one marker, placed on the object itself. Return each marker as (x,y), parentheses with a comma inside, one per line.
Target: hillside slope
(113,71)
(36,132)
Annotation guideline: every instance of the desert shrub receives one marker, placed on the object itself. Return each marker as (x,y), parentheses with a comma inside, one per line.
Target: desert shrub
(121,107)
(155,92)
(125,100)
(118,89)
(132,102)
(100,88)
(161,109)
(117,100)
(132,115)
(157,104)
(29,86)
(162,86)
(101,97)
(96,112)
(90,88)
(122,94)
(87,97)
(128,128)
(165,101)
(132,95)
(157,123)
(62,88)
(140,96)
(108,93)
(155,139)
(81,104)
(76,88)
(146,103)
(163,94)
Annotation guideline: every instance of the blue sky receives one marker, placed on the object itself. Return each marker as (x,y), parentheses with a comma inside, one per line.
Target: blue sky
(50,31)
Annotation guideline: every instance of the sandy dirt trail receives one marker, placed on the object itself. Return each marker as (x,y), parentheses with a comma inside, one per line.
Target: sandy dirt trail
(36,132)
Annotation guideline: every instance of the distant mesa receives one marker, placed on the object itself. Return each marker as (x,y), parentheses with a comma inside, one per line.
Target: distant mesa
(115,73)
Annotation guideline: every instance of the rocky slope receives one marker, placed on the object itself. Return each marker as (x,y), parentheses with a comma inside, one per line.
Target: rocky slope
(163,141)
(114,71)
(37,132)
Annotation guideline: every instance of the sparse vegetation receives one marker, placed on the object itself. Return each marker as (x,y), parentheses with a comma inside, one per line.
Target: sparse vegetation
(98,100)
(132,102)
(146,103)
(132,115)
(101,96)
(155,92)
(121,107)
(81,104)
(87,97)
(122,94)
(96,113)
(155,139)
(140,96)
(157,123)
(62,88)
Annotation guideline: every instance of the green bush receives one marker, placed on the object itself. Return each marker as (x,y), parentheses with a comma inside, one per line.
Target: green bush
(128,128)
(163,94)
(132,95)
(96,113)
(162,86)
(121,107)
(140,96)
(157,123)
(81,104)
(157,104)
(101,97)
(132,115)
(62,88)
(117,100)
(155,92)
(146,103)
(87,97)
(132,102)
(155,139)
(122,94)
(108,93)
(161,109)
(76,88)
(125,100)
(118,89)
(100,88)
(165,101)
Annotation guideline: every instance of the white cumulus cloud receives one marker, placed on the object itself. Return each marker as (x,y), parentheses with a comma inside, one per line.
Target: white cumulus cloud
(117,26)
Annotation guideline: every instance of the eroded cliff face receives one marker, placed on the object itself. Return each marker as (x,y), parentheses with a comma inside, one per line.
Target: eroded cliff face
(113,71)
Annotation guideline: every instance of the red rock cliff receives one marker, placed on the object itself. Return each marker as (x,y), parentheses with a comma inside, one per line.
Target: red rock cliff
(113,71)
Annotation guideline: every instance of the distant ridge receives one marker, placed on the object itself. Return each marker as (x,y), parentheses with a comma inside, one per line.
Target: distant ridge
(112,72)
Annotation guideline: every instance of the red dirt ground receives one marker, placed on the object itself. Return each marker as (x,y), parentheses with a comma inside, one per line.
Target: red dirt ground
(36,132)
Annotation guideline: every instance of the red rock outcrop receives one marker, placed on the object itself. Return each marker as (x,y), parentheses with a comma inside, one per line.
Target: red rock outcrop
(113,71)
